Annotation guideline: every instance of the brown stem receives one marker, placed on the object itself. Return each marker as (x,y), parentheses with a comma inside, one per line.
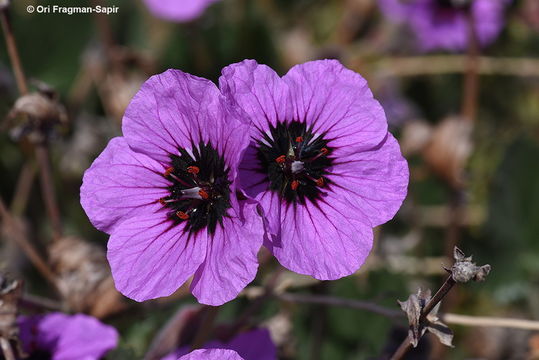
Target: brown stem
(406,345)
(6,349)
(335,301)
(41,149)
(47,188)
(39,303)
(471,81)
(23,188)
(206,327)
(19,236)
(13,52)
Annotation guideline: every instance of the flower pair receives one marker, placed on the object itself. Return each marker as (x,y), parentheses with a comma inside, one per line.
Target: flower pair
(202,176)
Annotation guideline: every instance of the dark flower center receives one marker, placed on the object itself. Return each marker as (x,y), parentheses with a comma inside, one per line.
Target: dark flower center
(39,355)
(295,160)
(453,4)
(200,190)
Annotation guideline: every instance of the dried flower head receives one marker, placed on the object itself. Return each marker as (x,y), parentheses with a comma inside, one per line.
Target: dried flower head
(84,277)
(36,116)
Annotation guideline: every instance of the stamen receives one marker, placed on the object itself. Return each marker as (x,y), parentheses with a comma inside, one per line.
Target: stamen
(163,201)
(294,185)
(203,194)
(193,170)
(299,139)
(320,182)
(324,151)
(281,159)
(296,166)
(193,193)
(168,171)
(182,215)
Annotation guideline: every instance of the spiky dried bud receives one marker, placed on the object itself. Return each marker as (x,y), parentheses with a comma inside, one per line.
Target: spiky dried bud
(10,293)
(464,270)
(36,116)
(84,277)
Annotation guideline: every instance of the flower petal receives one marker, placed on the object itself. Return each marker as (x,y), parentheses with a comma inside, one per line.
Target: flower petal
(119,184)
(336,101)
(254,345)
(67,337)
(259,91)
(150,258)
(375,182)
(325,240)
(231,258)
(173,10)
(85,337)
(212,354)
(176,110)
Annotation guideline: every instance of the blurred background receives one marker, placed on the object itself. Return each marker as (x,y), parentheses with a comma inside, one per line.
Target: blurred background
(474,183)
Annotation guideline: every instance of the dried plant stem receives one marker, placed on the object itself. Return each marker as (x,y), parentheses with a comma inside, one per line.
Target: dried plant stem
(6,349)
(335,301)
(450,64)
(406,345)
(13,52)
(39,303)
(23,188)
(47,188)
(457,319)
(470,92)
(206,327)
(41,149)
(485,321)
(19,236)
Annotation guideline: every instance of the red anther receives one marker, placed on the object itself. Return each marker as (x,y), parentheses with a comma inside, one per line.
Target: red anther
(320,182)
(324,151)
(169,171)
(193,170)
(203,194)
(162,201)
(299,139)
(281,159)
(294,185)
(182,215)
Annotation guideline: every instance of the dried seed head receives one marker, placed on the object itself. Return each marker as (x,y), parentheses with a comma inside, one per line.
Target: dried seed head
(36,116)
(10,293)
(448,150)
(84,277)
(464,270)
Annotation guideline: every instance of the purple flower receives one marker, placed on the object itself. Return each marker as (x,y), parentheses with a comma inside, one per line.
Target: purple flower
(442,24)
(59,336)
(250,345)
(166,193)
(211,354)
(178,10)
(321,163)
